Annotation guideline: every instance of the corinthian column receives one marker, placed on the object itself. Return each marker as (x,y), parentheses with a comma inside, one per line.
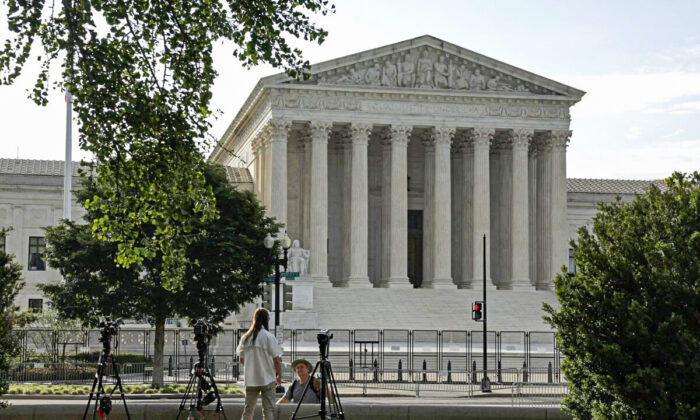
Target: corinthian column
(278,168)
(359,207)
(428,207)
(544,212)
(482,221)
(520,226)
(560,234)
(398,219)
(442,216)
(318,264)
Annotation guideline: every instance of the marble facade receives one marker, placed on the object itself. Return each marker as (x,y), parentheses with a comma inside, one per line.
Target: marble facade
(391,165)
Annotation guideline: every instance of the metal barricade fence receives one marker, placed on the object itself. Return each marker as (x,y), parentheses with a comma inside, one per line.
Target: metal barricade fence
(351,351)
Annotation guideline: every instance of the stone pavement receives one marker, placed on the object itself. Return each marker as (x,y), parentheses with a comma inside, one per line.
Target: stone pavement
(403,408)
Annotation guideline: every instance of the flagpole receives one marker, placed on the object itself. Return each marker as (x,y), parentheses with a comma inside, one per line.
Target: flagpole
(68,165)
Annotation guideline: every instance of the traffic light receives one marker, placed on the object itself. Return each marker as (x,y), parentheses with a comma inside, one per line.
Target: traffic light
(267,296)
(287,298)
(478,311)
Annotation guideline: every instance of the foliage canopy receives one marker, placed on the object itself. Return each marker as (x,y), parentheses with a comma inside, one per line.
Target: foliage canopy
(628,322)
(231,263)
(141,74)
(10,285)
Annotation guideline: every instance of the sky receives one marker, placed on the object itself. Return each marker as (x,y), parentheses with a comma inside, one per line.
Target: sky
(639,63)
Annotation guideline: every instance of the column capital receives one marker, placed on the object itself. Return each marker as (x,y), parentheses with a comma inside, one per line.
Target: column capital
(443,135)
(560,139)
(542,142)
(279,128)
(521,138)
(320,130)
(360,133)
(400,134)
(483,136)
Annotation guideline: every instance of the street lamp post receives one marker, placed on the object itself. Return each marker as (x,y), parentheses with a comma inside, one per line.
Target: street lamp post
(286,243)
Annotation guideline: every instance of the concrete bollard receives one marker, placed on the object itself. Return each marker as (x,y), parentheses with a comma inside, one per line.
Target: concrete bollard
(550,378)
(474,371)
(400,372)
(449,371)
(425,376)
(170,365)
(376,370)
(352,371)
(525,378)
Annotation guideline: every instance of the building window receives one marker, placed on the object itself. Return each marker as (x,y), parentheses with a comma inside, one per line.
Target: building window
(36,253)
(36,305)
(572,262)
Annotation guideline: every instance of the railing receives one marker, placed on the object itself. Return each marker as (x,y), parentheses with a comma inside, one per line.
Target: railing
(538,394)
(406,351)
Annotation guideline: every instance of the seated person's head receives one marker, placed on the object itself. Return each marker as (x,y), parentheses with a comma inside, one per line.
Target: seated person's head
(303,368)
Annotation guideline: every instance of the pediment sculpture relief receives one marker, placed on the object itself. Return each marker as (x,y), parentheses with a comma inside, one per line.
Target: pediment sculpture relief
(426,68)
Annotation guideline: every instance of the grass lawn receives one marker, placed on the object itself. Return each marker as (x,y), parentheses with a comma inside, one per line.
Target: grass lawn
(36,389)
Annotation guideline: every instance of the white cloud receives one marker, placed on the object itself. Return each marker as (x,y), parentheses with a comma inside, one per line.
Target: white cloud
(633,133)
(673,133)
(685,108)
(618,93)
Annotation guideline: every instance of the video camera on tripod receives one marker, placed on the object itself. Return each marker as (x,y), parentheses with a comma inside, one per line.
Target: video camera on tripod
(108,329)
(201,389)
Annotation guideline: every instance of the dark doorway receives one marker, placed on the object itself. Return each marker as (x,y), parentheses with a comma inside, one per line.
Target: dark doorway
(415,247)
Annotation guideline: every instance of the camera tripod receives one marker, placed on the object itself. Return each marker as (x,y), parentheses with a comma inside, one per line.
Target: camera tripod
(103,406)
(204,383)
(335,409)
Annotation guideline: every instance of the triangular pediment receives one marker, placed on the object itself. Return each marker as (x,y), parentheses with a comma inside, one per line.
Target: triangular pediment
(428,63)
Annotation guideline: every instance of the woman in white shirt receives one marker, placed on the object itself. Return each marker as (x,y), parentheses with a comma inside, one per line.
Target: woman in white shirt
(260,356)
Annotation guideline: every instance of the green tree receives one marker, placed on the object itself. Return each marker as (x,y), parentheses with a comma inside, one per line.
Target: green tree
(628,321)
(10,284)
(230,263)
(141,74)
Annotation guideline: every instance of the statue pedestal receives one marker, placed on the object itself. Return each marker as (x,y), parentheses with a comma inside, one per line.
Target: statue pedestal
(302,293)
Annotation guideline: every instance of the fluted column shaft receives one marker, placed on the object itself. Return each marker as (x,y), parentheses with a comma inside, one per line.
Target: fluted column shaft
(560,234)
(532,204)
(278,169)
(442,218)
(318,263)
(482,220)
(544,213)
(306,239)
(346,190)
(467,215)
(428,208)
(520,209)
(398,219)
(359,207)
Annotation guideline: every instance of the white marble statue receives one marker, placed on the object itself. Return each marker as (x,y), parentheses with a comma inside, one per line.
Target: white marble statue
(389,74)
(298,258)
(477,81)
(441,73)
(406,69)
(425,71)
(462,77)
(373,75)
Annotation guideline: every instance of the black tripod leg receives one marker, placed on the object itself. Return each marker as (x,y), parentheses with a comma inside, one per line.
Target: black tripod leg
(92,390)
(184,397)
(219,406)
(336,396)
(121,389)
(100,390)
(306,389)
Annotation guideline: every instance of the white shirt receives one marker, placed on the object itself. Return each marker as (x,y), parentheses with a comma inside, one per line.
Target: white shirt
(259,368)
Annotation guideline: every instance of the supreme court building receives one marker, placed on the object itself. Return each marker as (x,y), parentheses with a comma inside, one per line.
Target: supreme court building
(390,166)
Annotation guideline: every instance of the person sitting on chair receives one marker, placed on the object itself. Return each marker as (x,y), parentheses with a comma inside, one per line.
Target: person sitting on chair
(303,369)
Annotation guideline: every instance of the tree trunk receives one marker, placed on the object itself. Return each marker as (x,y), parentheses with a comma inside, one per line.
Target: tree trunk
(159,344)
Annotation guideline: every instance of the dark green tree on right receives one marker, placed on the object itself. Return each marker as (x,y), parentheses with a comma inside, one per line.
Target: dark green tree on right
(628,321)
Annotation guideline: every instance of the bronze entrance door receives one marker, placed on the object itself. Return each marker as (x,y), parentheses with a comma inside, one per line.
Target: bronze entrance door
(415,247)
